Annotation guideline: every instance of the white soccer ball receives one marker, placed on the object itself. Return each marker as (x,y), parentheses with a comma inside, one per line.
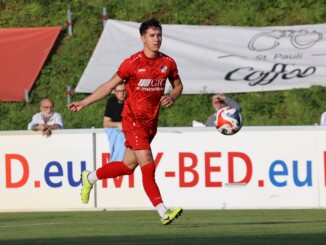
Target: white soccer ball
(228,120)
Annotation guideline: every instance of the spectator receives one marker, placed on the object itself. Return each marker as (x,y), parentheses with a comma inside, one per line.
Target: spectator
(112,122)
(46,120)
(219,101)
(323,119)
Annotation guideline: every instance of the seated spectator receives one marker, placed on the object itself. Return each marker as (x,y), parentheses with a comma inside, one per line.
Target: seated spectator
(47,119)
(220,101)
(112,122)
(323,119)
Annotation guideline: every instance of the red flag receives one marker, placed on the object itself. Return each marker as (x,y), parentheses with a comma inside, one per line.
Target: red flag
(23,52)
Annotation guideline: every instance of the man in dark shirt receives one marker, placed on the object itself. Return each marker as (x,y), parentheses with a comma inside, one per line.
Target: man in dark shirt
(112,122)
(112,116)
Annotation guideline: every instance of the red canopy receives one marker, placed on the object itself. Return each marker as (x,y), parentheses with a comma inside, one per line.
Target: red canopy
(23,52)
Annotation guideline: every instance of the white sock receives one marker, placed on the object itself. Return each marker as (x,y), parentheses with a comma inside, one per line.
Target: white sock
(161,209)
(92,177)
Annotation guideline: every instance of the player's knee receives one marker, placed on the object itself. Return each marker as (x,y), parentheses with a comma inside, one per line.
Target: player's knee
(129,171)
(148,169)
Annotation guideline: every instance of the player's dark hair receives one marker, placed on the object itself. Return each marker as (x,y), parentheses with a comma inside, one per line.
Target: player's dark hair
(151,23)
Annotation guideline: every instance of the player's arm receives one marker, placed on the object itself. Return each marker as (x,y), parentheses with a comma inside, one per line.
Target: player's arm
(177,87)
(100,93)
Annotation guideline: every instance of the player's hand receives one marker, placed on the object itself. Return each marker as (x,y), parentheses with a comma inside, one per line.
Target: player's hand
(167,101)
(75,106)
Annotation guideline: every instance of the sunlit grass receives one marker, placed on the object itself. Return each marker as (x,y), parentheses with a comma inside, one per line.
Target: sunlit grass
(144,227)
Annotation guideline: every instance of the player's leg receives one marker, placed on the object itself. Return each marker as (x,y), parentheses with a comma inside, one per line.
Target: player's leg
(138,138)
(116,168)
(110,170)
(146,162)
(147,166)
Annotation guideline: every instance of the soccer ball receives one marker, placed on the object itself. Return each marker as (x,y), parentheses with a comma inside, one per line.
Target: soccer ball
(228,120)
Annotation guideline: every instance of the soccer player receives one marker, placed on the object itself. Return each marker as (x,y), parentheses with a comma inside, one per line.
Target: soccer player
(145,74)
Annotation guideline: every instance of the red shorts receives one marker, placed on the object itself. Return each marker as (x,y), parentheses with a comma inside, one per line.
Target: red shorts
(138,135)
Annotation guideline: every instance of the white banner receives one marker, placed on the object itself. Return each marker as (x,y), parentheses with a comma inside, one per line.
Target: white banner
(197,168)
(260,167)
(43,173)
(220,58)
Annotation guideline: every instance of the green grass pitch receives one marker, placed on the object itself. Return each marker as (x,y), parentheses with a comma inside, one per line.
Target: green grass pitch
(306,226)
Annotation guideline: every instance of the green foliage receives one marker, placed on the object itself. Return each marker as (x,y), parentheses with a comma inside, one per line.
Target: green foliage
(70,55)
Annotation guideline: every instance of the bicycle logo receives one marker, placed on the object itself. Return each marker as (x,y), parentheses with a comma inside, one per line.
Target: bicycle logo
(301,39)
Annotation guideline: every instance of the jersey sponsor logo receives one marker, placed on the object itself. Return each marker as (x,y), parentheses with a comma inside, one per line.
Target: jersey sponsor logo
(141,70)
(151,84)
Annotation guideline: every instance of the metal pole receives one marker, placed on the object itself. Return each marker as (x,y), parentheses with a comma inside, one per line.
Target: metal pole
(26,95)
(68,92)
(104,17)
(69,23)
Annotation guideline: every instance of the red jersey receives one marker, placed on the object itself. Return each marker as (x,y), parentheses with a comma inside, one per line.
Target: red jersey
(145,83)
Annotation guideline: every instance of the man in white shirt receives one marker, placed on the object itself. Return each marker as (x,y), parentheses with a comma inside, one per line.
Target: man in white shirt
(46,120)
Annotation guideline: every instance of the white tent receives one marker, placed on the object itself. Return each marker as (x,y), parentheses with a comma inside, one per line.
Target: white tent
(220,58)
